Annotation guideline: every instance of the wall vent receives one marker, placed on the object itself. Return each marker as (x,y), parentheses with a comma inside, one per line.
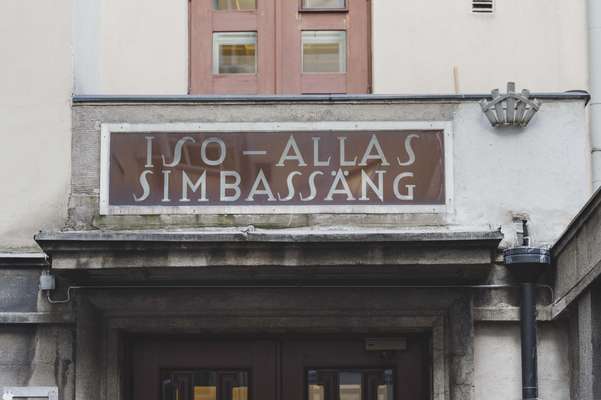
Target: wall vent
(482,6)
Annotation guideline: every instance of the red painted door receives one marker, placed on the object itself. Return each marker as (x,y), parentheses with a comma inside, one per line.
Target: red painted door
(232,48)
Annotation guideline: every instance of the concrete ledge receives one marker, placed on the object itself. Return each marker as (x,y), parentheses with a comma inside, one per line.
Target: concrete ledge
(564,302)
(248,255)
(501,314)
(488,239)
(24,260)
(366,98)
(35,318)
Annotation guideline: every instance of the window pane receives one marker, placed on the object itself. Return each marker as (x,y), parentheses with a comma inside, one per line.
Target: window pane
(356,384)
(204,385)
(234,4)
(324,51)
(350,385)
(324,4)
(235,53)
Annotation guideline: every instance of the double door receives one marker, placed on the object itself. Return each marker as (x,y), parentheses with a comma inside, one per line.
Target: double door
(282,369)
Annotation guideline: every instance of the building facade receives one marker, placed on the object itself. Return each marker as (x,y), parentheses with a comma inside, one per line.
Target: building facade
(294,200)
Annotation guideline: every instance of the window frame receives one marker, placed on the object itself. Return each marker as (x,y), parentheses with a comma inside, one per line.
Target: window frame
(216,56)
(341,57)
(303,9)
(227,10)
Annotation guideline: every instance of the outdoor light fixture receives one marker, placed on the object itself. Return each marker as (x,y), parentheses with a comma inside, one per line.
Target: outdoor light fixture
(511,109)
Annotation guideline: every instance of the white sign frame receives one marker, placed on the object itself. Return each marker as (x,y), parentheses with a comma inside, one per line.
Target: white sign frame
(107,129)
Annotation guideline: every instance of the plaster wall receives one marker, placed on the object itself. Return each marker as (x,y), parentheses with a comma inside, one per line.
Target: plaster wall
(497,360)
(122,48)
(35,124)
(441,47)
(418,47)
(498,173)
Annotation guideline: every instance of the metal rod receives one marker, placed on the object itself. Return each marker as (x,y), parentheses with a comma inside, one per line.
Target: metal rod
(528,337)
(68,297)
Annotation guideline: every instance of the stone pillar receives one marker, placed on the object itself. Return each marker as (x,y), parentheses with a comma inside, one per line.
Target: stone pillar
(588,360)
(461,327)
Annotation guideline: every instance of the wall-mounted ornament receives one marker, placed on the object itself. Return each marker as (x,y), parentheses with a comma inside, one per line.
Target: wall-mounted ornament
(511,109)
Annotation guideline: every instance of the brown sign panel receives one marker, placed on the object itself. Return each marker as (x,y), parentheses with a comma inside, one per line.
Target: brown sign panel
(283,169)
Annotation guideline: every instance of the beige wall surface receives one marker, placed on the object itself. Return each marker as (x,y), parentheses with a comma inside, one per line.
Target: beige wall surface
(497,361)
(35,119)
(122,47)
(423,47)
(539,44)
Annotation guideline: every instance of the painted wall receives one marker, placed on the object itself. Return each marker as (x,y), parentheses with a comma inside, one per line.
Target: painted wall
(497,361)
(541,45)
(542,171)
(123,48)
(421,47)
(35,118)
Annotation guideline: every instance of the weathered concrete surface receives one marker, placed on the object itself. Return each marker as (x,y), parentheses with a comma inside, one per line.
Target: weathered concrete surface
(482,200)
(585,335)
(446,313)
(19,289)
(498,361)
(578,254)
(38,356)
(413,255)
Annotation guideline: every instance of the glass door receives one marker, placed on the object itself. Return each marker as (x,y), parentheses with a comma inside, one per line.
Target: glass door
(348,369)
(283,369)
(189,369)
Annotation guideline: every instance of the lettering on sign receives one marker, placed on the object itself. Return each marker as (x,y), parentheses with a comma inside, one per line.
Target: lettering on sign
(329,170)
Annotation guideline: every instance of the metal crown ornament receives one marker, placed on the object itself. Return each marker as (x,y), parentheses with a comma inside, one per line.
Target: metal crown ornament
(511,109)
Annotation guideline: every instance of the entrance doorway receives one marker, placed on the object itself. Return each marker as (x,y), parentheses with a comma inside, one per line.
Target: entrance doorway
(360,368)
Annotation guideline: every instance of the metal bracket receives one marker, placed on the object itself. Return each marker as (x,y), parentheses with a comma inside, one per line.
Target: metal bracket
(16,392)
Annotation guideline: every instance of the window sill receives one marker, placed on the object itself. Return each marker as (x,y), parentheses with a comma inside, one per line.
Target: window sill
(323,10)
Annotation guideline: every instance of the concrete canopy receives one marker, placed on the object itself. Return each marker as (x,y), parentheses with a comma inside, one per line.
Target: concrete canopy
(237,256)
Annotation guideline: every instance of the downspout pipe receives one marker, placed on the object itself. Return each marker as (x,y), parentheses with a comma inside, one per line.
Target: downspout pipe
(594,67)
(526,265)
(528,338)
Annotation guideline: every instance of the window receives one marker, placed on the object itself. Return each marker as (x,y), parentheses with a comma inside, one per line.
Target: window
(314,46)
(323,4)
(324,51)
(234,53)
(239,5)
(350,384)
(203,384)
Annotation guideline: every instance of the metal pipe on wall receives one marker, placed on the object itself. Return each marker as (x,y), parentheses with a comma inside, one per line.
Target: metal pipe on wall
(594,46)
(528,336)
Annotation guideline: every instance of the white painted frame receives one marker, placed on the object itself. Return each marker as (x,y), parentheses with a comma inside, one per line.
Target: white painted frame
(13,392)
(377,126)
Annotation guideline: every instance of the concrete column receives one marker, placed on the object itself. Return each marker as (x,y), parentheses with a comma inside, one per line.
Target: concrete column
(588,384)
(461,352)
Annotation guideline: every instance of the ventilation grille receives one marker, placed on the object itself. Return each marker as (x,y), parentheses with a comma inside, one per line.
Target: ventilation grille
(482,6)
